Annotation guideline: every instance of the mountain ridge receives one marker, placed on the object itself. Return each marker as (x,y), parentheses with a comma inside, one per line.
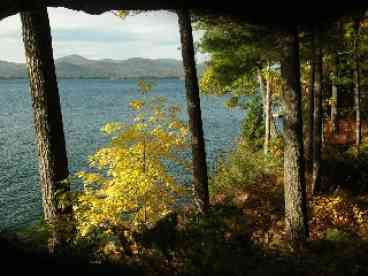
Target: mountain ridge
(79,67)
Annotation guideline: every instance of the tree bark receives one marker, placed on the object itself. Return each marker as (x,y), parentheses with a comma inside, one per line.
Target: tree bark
(262,89)
(53,162)
(334,104)
(356,75)
(268,113)
(200,175)
(310,99)
(358,128)
(294,182)
(317,116)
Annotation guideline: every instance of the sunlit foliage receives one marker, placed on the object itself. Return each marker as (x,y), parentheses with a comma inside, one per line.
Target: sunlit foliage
(129,186)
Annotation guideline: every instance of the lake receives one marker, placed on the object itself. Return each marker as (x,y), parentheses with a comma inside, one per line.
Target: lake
(87,105)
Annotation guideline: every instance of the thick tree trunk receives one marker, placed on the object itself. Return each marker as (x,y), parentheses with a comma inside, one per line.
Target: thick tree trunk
(200,175)
(356,73)
(294,183)
(53,162)
(317,117)
(268,109)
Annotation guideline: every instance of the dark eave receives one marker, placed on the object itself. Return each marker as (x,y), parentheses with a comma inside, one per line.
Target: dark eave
(260,12)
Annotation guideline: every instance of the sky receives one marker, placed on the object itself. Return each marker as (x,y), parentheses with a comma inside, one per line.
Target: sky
(147,35)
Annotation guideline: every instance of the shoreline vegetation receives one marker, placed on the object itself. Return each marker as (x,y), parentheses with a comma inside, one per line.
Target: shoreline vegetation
(292,201)
(246,217)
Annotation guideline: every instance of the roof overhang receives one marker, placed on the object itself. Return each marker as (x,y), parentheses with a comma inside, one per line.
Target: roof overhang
(260,12)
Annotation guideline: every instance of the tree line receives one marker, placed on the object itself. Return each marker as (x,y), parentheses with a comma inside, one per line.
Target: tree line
(240,51)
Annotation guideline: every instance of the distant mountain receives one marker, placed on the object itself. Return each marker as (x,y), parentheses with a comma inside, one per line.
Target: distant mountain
(78,67)
(73,59)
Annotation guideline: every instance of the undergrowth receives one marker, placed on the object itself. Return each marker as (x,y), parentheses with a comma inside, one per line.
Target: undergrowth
(244,233)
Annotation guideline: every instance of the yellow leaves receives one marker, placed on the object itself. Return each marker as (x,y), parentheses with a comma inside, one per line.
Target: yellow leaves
(90,178)
(340,212)
(86,230)
(173,110)
(145,86)
(184,131)
(111,128)
(332,101)
(111,248)
(209,84)
(360,215)
(232,102)
(121,13)
(133,183)
(136,104)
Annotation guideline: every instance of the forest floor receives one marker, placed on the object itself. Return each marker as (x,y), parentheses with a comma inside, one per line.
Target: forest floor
(244,233)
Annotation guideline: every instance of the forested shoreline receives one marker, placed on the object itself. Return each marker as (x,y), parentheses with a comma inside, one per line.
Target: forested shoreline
(291,200)
(79,67)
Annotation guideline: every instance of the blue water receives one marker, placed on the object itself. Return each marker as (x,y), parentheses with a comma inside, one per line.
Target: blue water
(87,105)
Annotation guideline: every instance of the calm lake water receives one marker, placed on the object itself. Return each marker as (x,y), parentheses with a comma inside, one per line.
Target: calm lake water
(87,105)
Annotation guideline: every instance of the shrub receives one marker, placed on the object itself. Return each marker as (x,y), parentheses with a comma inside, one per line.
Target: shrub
(244,166)
(130,186)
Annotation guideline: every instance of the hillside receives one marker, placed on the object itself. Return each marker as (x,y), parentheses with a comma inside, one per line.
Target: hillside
(77,67)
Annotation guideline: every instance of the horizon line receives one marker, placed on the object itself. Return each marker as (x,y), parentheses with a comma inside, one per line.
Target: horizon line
(101,59)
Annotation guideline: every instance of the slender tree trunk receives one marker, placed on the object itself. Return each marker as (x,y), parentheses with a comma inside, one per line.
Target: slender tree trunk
(200,175)
(334,114)
(262,89)
(356,73)
(317,117)
(311,116)
(294,182)
(336,75)
(268,109)
(309,144)
(358,127)
(53,162)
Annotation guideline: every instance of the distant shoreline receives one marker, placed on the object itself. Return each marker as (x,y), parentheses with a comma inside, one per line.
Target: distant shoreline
(78,67)
(98,78)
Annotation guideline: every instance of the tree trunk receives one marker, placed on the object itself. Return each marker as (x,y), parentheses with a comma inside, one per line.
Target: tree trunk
(335,82)
(334,124)
(317,117)
(268,113)
(294,183)
(53,162)
(358,127)
(262,89)
(200,175)
(309,136)
(356,73)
